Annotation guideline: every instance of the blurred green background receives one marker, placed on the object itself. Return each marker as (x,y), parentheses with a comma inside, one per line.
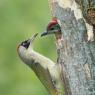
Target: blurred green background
(19,20)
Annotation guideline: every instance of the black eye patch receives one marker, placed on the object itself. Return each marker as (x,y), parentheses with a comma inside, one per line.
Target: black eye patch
(25,44)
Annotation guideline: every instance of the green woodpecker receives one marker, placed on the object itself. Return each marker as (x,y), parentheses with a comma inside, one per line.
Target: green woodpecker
(47,71)
(53,28)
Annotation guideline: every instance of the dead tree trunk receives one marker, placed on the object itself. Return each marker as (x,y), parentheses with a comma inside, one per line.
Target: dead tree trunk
(76,55)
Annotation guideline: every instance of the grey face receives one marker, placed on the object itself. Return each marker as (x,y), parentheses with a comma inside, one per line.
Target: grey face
(54,28)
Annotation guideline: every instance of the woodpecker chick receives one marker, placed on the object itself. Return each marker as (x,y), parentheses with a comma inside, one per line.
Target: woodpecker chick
(47,71)
(53,28)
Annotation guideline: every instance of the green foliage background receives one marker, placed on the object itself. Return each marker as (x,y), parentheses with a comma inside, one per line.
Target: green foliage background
(19,20)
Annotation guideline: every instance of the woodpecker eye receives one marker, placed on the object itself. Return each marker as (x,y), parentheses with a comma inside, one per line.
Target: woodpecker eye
(25,44)
(52,28)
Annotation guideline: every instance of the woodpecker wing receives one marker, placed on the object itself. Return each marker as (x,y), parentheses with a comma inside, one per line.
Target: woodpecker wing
(45,77)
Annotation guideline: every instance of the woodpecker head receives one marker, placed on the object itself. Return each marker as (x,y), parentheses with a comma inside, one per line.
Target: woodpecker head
(52,27)
(23,46)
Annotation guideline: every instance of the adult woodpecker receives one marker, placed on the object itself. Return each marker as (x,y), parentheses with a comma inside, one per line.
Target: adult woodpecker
(53,28)
(47,71)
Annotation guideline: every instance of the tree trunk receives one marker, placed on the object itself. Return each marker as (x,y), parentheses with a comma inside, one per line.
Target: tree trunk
(75,54)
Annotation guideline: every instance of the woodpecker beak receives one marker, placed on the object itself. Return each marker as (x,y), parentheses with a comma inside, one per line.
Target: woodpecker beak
(27,43)
(32,38)
(44,33)
(48,32)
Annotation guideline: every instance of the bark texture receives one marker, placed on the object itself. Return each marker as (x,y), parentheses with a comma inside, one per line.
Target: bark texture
(76,55)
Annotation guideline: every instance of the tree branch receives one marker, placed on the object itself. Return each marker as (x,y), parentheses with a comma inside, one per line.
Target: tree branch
(76,55)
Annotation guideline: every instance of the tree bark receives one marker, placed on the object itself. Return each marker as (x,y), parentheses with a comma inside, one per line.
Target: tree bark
(75,54)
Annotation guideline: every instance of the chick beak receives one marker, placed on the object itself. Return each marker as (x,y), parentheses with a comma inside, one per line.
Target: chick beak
(44,33)
(32,38)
